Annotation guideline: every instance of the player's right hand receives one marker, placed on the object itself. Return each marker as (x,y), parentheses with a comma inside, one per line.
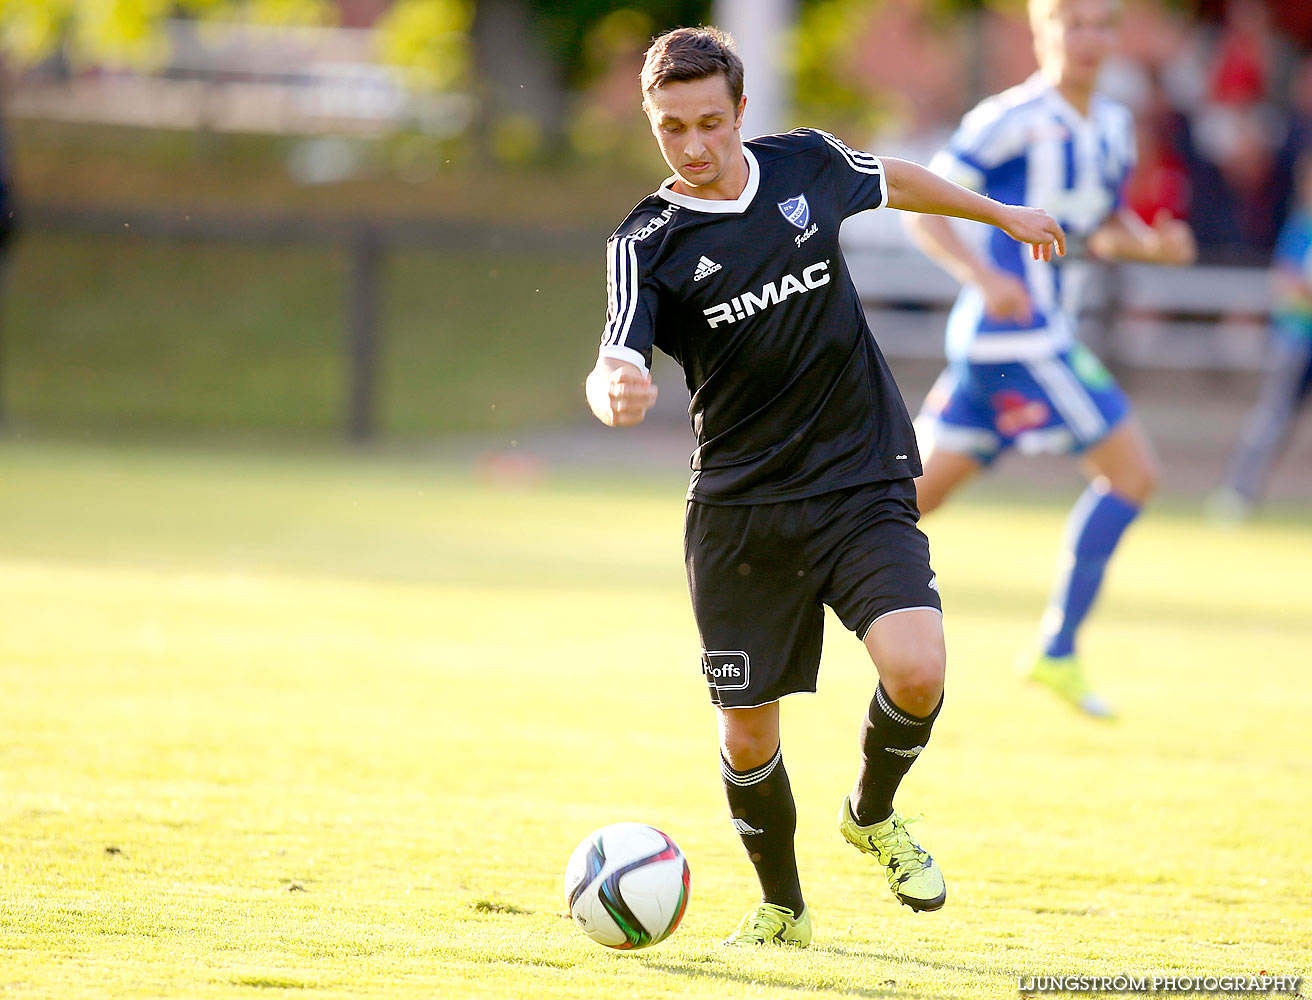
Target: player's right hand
(630,394)
(1006,299)
(1037,228)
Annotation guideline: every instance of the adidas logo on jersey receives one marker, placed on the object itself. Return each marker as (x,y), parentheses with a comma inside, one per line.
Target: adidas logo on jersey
(771,294)
(705,268)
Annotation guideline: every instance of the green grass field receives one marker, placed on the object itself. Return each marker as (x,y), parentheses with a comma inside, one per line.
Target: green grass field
(314,724)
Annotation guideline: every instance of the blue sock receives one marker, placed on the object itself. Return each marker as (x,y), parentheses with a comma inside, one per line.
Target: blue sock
(1093,529)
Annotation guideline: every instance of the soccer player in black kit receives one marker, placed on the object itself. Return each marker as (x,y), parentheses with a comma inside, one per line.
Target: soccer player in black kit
(802,488)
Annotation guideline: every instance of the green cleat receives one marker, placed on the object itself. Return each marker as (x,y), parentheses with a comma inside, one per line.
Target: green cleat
(912,874)
(1228,508)
(767,923)
(1064,676)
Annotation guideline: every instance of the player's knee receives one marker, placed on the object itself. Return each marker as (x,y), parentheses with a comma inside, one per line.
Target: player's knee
(915,682)
(1151,477)
(1139,482)
(746,747)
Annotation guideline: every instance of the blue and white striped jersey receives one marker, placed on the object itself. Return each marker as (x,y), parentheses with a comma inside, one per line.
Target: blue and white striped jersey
(1029,146)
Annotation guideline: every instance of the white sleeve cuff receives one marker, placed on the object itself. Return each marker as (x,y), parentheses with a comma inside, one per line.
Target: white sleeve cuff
(883,184)
(625,354)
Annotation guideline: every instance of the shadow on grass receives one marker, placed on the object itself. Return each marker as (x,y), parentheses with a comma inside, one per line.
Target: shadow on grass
(927,963)
(713,965)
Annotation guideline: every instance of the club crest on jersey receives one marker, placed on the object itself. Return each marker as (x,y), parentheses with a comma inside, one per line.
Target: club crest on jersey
(796,211)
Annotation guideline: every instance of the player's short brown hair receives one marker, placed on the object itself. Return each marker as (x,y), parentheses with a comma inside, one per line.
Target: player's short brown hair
(687,54)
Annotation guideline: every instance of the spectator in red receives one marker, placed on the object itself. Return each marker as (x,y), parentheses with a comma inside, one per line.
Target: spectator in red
(1239,66)
(1161,178)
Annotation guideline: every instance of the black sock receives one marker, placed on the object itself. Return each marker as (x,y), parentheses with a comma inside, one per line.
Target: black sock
(765,816)
(891,740)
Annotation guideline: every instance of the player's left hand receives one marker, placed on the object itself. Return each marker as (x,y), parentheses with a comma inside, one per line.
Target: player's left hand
(1035,227)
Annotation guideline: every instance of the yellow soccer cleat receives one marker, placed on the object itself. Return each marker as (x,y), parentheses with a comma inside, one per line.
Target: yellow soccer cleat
(912,873)
(1064,676)
(767,923)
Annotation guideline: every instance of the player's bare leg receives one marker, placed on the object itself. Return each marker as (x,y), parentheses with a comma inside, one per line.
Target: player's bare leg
(1123,474)
(944,472)
(765,817)
(908,651)
(749,737)
(1125,460)
(910,655)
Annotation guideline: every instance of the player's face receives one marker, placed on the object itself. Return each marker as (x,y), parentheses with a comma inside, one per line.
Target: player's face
(696,124)
(1072,44)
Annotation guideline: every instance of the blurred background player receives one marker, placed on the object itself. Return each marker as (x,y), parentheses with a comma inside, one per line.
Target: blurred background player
(1016,375)
(1288,376)
(802,492)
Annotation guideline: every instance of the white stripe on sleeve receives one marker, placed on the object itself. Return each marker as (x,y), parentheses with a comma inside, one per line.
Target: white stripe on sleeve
(621,291)
(860,161)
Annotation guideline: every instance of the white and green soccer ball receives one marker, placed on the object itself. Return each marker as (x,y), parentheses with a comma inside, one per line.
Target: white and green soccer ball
(627,885)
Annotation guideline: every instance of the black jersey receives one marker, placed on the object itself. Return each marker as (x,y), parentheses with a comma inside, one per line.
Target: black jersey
(791,396)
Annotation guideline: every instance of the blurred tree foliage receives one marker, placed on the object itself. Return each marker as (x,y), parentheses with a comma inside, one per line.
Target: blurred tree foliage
(526,61)
(428,40)
(568,26)
(824,49)
(823,45)
(129,33)
(534,57)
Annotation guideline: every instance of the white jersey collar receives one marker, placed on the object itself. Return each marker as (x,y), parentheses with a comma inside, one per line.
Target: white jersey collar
(1064,108)
(736,207)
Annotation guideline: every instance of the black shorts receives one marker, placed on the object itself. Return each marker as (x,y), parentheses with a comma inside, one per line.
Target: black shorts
(760,575)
